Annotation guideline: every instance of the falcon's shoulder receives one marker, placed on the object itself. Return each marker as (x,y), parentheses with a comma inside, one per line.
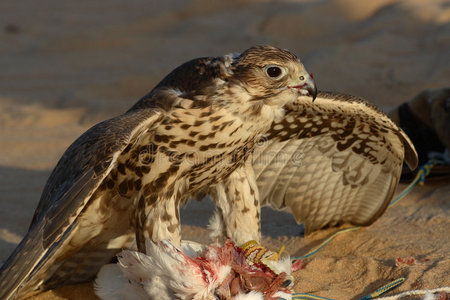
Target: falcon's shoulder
(336,160)
(199,76)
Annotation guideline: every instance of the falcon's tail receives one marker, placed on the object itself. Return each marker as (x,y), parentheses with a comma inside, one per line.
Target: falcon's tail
(16,274)
(27,266)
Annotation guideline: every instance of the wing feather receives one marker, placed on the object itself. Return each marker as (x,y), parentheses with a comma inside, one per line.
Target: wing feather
(75,178)
(337,160)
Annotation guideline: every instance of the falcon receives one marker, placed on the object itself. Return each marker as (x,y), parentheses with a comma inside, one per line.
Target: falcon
(242,128)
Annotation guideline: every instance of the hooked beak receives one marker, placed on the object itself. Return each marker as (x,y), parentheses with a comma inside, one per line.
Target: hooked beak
(311,87)
(308,87)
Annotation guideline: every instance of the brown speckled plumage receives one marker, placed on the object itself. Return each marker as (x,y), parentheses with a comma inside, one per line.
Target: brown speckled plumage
(201,130)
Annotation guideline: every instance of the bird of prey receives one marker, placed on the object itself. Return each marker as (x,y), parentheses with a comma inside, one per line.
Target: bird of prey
(242,128)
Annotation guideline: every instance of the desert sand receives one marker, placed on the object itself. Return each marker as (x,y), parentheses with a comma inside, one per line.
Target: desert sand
(65,66)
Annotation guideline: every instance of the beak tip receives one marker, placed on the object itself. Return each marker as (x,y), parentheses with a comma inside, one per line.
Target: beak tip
(313,92)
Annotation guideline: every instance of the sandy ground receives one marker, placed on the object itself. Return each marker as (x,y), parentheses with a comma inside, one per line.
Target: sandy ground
(65,66)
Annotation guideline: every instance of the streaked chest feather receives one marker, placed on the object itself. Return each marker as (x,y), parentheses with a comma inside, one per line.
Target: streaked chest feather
(189,150)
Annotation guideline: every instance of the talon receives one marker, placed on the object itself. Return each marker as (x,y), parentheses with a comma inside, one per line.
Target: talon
(287,283)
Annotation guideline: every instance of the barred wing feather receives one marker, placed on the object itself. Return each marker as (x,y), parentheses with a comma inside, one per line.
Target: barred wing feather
(337,160)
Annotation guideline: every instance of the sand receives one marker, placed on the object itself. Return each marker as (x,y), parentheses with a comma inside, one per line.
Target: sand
(65,66)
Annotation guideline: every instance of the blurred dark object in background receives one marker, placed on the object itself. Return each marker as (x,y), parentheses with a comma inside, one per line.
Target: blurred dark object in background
(426,120)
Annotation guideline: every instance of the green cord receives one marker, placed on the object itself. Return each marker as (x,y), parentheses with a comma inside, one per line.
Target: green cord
(380,291)
(326,241)
(308,296)
(384,289)
(419,179)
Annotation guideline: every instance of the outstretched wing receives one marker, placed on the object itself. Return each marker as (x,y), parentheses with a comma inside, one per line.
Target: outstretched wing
(77,175)
(337,160)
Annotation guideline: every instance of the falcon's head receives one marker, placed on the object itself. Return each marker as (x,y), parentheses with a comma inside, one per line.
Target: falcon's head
(261,78)
(272,75)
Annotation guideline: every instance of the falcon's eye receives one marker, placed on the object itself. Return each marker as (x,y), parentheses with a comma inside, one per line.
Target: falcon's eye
(274,71)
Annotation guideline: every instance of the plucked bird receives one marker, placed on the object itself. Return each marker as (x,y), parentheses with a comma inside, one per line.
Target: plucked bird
(192,272)
(242,128)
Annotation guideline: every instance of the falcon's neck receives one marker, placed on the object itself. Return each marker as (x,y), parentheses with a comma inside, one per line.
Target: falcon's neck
(238,102)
